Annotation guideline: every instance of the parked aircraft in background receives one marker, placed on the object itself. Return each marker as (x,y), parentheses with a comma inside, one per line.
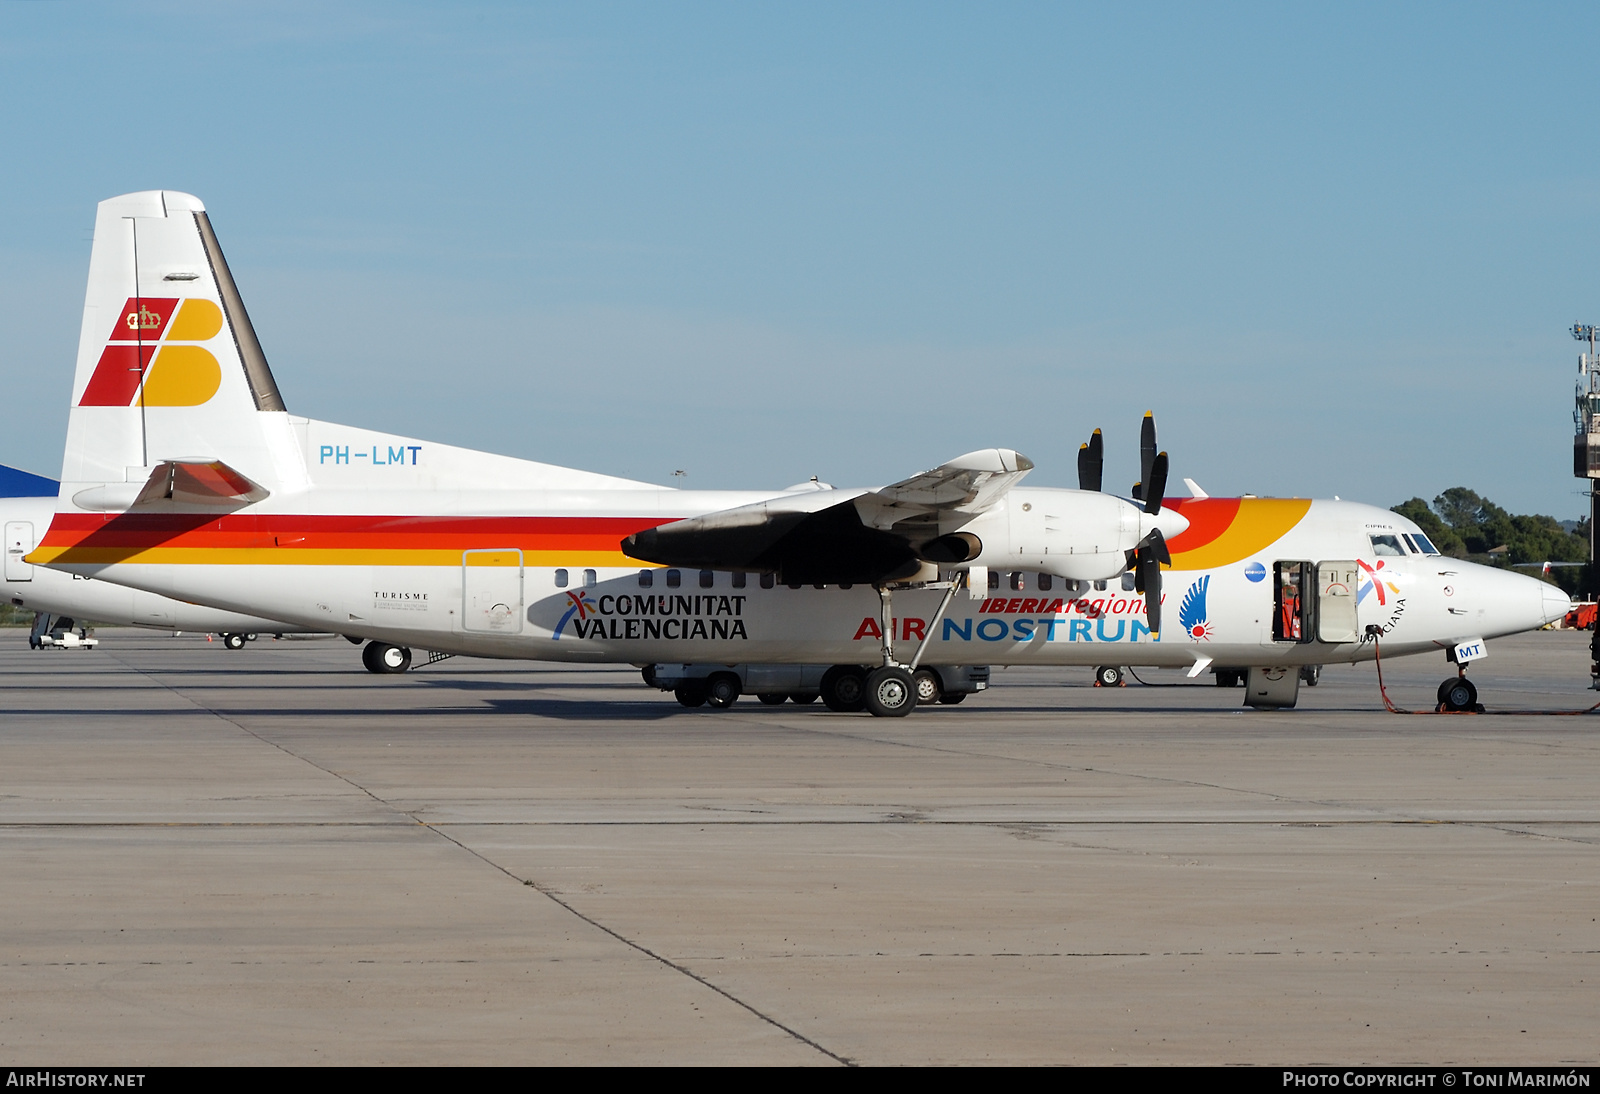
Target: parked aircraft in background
(186,476)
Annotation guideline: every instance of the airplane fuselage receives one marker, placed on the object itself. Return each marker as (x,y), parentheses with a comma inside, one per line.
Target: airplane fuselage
(539,575)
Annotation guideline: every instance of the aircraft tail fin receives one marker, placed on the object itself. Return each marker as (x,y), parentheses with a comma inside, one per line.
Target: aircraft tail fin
(17,483)
(169,367)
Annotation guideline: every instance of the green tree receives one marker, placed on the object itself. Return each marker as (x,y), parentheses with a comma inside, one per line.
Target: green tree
(1417,511)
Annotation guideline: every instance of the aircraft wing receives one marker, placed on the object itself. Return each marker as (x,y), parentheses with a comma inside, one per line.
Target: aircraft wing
(840,536)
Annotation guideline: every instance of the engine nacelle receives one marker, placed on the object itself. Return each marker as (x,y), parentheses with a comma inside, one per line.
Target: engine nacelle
(1078,534)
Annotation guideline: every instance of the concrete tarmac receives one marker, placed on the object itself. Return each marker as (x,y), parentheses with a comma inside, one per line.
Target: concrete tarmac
(271,856)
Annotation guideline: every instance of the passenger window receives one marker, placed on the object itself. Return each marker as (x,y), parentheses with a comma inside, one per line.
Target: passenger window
(590,579)
(561,579)
(1100,586)
(994,579)
(1387,546)
(1045,583)
(674,579)
(1128,582)
(647,578)
(739,579)
(1019,580)
(707,578)
(769,581)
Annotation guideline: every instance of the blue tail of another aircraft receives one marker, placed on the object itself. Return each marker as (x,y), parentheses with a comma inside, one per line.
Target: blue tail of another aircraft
(24,484)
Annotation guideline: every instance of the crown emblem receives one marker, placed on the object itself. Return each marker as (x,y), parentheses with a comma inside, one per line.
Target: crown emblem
(143,319)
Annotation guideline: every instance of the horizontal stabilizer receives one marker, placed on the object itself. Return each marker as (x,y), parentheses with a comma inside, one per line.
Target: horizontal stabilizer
(176,486)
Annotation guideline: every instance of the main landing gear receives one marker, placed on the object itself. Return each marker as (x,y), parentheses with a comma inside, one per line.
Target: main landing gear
(381,657)
(893,690)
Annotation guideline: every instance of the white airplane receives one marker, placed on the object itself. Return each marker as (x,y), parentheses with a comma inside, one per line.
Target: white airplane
(186,476)
(27,505)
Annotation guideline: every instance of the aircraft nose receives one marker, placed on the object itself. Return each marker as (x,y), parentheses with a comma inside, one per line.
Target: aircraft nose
(1555,602)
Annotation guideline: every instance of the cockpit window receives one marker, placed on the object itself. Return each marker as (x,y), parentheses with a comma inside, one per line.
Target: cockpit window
(1411,546)
(1424,543)
(1389,546)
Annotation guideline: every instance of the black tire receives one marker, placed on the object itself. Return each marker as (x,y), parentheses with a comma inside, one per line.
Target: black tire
(390,660)
(891,693)
(844,689)
(802,698)
(953,698)
(1458,694)
(722,690)
(772,698)
(691,693)
(233,641)
(1108,676)
(927,685)
(1310,674)
(649,674)
(251,637)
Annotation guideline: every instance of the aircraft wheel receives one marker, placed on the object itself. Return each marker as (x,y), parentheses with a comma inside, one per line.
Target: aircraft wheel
(649,674)
(233,641)
(1458,693)
(722,690)
(1310,674)
(1108,676)
(844,688)
(389,659)
(953,698)
(891,693)
(925,682)
(691,693)
(251,637)
(801,698)
(772,698)
(380,657)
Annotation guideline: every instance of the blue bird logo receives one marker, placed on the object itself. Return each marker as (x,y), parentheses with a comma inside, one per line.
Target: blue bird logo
(1192,612)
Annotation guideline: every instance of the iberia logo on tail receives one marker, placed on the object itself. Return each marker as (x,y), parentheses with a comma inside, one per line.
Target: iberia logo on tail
(153,340)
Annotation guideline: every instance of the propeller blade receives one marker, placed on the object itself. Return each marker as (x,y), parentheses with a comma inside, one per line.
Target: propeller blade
(1091,462)
(1156,484)
(1152,599)
(1147,453)
(1149,556)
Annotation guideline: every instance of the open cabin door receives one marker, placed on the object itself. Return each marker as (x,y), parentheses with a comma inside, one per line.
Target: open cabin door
(1336,602)
(491,592)
(19,541)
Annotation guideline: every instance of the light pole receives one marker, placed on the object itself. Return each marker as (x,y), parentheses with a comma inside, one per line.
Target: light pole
(1586,445)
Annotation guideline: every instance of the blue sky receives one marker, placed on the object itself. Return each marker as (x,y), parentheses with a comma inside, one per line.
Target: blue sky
(1336,250)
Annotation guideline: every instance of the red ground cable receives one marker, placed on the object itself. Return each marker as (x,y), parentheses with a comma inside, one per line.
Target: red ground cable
(1377,659)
